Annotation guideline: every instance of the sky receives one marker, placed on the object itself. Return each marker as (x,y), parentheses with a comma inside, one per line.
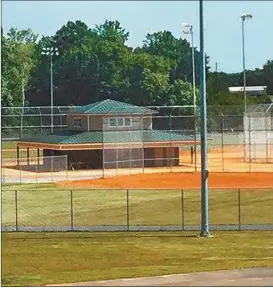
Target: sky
(222,24)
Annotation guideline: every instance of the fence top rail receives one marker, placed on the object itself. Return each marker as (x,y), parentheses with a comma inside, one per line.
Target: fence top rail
(34,157)
(33,107)
(74,189)
(36,115)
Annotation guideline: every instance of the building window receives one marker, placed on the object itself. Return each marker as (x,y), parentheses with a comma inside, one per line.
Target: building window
(77,122)
(119,122)
(127,122)
(112,122)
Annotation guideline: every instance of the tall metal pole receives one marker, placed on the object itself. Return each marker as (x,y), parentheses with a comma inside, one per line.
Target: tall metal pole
(23,93)
(51,90)
(193,74)
(244,71)
(51,51)
(244,17)
(204,167)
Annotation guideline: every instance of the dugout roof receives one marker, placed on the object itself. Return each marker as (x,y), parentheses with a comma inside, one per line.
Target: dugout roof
(109,106)
(98,137)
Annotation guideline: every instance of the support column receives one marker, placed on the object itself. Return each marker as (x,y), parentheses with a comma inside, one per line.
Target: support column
(27,156)
(38,156)
(18,155)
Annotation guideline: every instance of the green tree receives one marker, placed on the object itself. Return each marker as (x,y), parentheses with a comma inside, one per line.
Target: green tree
(143,70)
(181,93)
(155,86)
(268,76)
(18,62)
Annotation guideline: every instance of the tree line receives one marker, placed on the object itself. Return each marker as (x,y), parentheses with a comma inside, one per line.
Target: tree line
(95,64)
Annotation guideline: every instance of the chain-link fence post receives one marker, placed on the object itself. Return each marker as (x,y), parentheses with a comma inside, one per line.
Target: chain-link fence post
(66,167)
(21,124)
(167,152)
(142,143)
(249,141)
(61,123)
(182,210)
(20,172)
(130,150)
(52,166)
(3,173)
(195,146)
(16,209)
(266,137)
(36,170)
(41,120)
(71,211)
(239,209)
(117,151)
(103,147)
(222,140)
(128,210)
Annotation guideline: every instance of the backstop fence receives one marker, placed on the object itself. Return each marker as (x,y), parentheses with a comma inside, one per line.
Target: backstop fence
(134,210)
(34,169)
(123,150)
(258,128)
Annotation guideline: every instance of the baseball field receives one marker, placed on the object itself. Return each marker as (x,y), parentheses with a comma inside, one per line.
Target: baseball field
(41,258)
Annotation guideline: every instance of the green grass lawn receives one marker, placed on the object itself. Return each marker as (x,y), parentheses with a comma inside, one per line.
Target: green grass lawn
(49,205)
(32,259)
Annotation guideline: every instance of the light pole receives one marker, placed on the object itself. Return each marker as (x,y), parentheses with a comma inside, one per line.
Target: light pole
(51,51)
(188,29)
(244,17)
(203,128)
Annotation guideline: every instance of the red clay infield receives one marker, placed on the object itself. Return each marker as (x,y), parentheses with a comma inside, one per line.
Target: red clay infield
(179,180)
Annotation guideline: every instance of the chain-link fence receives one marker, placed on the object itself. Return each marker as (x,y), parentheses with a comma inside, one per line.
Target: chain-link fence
(168,141)
(258,129)
(34,169)
(18,122)
(172,144)
(134,210)
(123,147)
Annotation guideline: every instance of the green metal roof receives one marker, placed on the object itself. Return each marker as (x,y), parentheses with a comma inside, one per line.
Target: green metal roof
(69,137)
(109,106)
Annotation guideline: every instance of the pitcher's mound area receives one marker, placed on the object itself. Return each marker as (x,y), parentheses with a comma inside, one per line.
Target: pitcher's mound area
(178,180)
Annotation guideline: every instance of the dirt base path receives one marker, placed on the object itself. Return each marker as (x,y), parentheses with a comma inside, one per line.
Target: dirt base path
(178,180)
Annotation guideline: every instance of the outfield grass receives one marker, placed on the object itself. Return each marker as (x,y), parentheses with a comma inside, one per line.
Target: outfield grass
(50,205)
(30,259)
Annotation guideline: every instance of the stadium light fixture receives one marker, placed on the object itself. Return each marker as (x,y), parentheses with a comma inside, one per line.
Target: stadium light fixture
(188,29)
(51,51)
(244,17)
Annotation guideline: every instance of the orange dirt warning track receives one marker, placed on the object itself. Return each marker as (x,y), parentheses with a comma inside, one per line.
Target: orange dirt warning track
(178,180)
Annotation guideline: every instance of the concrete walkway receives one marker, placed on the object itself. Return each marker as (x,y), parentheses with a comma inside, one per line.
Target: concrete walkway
(245,277)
